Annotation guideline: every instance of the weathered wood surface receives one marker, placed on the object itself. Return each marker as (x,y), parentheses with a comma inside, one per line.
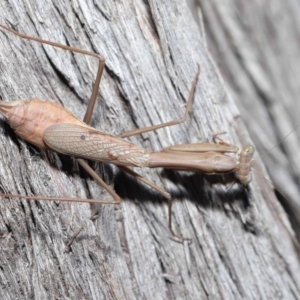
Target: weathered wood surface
(242,242)
(256,45)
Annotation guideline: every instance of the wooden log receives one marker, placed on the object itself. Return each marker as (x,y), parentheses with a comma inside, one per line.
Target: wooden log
(242,243)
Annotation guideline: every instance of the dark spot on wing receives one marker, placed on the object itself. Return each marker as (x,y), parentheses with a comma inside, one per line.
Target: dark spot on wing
(82,137)
(112,156)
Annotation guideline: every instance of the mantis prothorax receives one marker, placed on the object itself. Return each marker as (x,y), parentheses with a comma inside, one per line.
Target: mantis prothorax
(50,126)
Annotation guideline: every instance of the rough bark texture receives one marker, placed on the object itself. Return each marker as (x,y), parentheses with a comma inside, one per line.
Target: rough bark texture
(256,45)
(242,243)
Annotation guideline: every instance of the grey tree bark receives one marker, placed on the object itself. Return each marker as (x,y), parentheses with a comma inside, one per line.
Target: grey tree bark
(257,46)
(242,246)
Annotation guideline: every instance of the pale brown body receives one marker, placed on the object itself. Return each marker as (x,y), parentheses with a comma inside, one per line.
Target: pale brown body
(53,127)
(48,125)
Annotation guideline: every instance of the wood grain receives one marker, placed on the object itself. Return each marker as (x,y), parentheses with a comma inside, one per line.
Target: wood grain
(242,243)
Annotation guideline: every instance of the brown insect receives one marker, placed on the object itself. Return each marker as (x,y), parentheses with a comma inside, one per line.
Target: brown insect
(53,127)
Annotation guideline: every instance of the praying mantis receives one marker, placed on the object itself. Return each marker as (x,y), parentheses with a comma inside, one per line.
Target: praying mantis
(50,126)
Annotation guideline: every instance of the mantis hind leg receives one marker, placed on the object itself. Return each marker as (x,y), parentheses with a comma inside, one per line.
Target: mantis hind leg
(92,101)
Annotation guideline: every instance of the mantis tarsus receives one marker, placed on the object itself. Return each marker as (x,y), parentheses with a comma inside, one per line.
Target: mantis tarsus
(53,127)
